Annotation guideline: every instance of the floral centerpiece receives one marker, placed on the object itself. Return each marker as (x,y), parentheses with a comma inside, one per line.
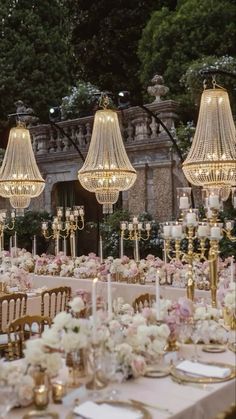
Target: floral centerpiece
(19,381)
(16,278)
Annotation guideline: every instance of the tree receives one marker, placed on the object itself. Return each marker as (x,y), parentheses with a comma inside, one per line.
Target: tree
(35,54)
(173,39)
(105,39)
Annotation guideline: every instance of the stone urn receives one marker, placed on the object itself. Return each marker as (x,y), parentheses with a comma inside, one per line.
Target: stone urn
(158,89)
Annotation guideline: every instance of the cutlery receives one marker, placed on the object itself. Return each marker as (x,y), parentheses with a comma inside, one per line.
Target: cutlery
(152,406)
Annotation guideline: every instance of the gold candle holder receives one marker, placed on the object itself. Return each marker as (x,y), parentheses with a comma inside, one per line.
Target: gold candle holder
(213,281)
(41,397)
(97,382)
(58,391)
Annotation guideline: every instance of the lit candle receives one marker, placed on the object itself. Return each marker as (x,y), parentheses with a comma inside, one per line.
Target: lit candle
(148,226)
(109,296)
(167,231)
(202,231)
(67,212)
(130,226)
(140,226)
(44,226)
(10,247)
(121,246)
(41,397)
(183,202)
(94,309)
(135,220)
(136,249)
(228,225)
(234,201)
(215,233)
(176,231)
(72,217)
(232,269)
(123,226)
(76,212)
(191,218)
(214,201)
(58,391)
(165,255)
(81,211)
(158,298)
(59,212)
(101,249)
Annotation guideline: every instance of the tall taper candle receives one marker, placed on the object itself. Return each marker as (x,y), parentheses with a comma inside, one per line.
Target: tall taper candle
(64,246)
(15,244)
(121,246)
(158,297)
(101,249)
(34,246)
(109,296)
(136,243)
(94,309)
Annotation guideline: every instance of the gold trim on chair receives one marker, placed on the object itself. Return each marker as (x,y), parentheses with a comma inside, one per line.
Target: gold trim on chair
(62,296)
(19,330)
(144,300)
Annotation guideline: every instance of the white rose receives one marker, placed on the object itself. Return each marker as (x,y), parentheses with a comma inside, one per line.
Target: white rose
(50,338)
(62,320)
(77,304)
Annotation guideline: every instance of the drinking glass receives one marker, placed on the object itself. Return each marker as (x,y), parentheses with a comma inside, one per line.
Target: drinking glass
(184,333)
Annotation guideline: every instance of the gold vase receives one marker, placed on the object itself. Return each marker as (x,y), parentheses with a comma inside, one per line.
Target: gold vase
(229,318)
(41,378)
(171,345)
(97,381)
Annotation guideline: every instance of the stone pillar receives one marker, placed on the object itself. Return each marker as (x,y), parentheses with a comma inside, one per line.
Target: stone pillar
(163,191)
(137,194)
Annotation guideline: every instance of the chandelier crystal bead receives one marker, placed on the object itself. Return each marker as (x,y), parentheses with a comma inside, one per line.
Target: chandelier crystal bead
(211,161)
(20,179)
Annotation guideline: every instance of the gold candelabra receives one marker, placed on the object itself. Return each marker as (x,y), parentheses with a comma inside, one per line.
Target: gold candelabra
(136,231)
(74,220)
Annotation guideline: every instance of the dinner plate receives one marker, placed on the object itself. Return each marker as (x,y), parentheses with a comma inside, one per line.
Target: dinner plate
(142,411)
(214,348)
(188,377)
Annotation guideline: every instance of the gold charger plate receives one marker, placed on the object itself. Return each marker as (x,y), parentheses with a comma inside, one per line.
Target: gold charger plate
(123,405)
(214,348)
(190,378)
(155,372)
(232,347)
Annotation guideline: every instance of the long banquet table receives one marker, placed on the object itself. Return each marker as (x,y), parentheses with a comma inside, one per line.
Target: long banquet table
(119,289)
(183,401)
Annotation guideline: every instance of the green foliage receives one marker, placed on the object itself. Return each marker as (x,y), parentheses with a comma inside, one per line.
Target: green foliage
(35,54)
(184,136)
(228,247)
(105,38)
(80,100)
(26,227)
(193,83)
(172,40)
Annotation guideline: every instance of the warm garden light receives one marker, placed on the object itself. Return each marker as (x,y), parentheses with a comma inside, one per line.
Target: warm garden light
(20,179)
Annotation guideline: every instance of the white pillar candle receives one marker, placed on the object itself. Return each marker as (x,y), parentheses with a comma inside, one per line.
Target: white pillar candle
(136,249)
(148,226)
(72,217)
(140,226)
(191,218)
(10,246)
(15,245)
(234,201)
(109,296)
(167,231)
(76,212)
(94,309)
(202,231)
(81,211)
(214,201)
(101,249)
(158,298)
(215,233)
(135,220)
(232,269)
(176,231)
(165,255)
(183,202)
(228,225)
(130,226)
(123,226)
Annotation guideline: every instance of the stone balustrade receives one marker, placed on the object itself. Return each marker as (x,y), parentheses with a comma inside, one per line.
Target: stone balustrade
(137,128)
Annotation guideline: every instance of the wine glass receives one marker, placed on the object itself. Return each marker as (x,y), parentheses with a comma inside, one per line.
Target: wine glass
(196,336)
(184,333)
(110,370)
(8,400)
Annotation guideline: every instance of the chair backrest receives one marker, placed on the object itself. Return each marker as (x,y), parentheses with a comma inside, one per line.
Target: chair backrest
(144,300)
(12,306)
(55,300)
(19,330)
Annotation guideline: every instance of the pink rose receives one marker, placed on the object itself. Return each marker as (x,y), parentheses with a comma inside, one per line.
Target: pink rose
(186,307)
(138,366)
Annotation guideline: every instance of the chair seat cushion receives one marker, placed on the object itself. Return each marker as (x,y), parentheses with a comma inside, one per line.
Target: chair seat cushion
(4,338)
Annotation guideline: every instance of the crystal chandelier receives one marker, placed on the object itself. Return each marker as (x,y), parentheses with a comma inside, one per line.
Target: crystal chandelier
(107,169)
(211,161)
(20,179)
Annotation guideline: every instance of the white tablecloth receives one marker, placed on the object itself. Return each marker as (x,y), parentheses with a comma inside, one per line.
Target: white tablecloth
(185,402)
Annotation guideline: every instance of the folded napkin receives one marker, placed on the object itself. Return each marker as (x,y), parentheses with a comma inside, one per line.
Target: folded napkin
(196,368)
(91,410)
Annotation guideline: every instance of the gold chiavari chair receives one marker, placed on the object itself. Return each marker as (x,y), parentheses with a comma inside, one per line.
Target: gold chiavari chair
(19,330)
(12,306)
(144,300)
(55,300)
